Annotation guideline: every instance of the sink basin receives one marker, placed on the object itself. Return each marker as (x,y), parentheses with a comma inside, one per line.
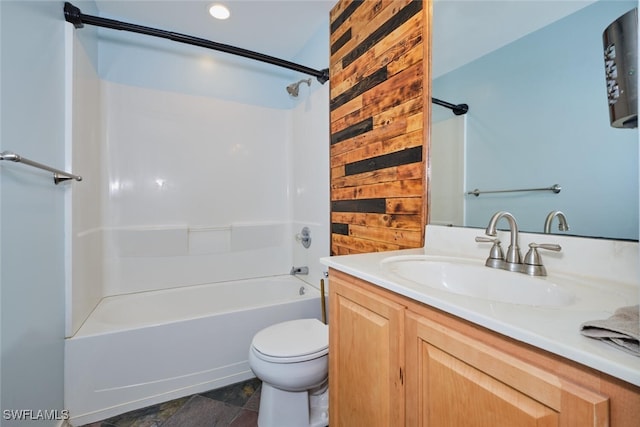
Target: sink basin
(473,279)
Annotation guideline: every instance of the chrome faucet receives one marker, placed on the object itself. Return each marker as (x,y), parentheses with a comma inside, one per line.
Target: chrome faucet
(562,221)
(532,264)
(496,256)
(513,259)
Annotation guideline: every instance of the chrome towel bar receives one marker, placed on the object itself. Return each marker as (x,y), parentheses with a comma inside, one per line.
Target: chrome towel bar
(555,188)
(58,175)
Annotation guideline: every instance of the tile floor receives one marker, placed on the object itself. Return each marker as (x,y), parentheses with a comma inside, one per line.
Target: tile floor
(235,405)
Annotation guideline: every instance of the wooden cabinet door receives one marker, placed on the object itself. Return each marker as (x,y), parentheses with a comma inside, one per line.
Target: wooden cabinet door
(366,354)
(454,380)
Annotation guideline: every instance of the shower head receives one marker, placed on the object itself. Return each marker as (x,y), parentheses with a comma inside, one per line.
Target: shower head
(293,88)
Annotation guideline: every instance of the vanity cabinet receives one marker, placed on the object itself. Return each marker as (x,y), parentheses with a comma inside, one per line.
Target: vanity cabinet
(396,362)
(365,358)
(460,381)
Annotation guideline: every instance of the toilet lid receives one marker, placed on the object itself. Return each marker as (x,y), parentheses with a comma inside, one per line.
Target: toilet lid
(293,338)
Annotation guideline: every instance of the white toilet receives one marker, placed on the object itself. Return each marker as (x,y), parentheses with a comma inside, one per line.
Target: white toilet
(291,359)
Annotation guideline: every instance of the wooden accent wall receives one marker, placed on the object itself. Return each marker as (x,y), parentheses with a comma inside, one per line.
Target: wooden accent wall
(379,111)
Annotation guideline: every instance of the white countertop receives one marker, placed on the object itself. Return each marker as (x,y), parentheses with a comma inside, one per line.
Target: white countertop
(554,329)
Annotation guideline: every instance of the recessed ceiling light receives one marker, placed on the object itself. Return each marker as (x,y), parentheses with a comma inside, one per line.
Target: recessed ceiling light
(219,11)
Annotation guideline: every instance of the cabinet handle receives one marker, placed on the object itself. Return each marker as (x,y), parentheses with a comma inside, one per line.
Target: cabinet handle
(401,377)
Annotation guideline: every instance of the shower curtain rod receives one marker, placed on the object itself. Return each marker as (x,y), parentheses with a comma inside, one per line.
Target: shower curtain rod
(458,110)
(75,16)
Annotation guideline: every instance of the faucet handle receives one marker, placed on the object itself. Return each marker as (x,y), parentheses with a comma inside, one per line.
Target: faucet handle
(548,246)
(532,264)
(496,256)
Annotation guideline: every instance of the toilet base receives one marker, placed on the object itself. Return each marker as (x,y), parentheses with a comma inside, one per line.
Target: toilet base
(279,408)
(319,408)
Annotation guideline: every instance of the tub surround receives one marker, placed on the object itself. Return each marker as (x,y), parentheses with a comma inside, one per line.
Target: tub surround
(148,258)
(609,269)
(162,220)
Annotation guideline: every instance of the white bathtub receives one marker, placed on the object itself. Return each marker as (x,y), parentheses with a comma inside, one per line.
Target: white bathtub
(140,349)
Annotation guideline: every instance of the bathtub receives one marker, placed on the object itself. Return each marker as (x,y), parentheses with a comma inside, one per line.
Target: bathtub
(139,349)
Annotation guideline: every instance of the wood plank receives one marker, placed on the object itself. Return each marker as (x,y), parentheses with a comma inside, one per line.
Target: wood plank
(416,122)
(397,89)
(340,228)
(339,116)
(405,59)
(397,173)
(393,127)
(395,158)
(371,205)
(337,171)
(351,245)
(407,205)
(338,15)
(363,85)
(378,147)
(409,140)
(353,130)
(408,188)
(398,221)
(402,238)
(407,108)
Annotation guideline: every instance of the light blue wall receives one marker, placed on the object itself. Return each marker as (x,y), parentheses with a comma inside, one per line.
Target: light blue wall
(552,127)
(154,63)
(32,210)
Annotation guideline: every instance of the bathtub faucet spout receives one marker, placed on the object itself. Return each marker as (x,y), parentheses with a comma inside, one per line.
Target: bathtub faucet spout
(299,270)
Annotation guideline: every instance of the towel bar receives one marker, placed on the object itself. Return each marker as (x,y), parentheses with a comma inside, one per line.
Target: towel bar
(555,188)
(58,175)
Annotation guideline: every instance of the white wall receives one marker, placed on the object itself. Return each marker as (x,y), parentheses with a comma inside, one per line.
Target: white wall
(310,180)
(310,174)
(446,169)
(32,209)
(84,142)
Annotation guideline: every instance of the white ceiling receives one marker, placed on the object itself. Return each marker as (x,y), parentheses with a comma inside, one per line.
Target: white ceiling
(463,30)
(278,28)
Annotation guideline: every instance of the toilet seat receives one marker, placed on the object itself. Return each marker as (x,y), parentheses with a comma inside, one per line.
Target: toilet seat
(292,341)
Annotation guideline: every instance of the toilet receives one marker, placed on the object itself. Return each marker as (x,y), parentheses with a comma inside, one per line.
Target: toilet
(291,359)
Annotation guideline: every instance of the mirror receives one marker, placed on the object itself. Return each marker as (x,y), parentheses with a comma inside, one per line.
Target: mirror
(538,117)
